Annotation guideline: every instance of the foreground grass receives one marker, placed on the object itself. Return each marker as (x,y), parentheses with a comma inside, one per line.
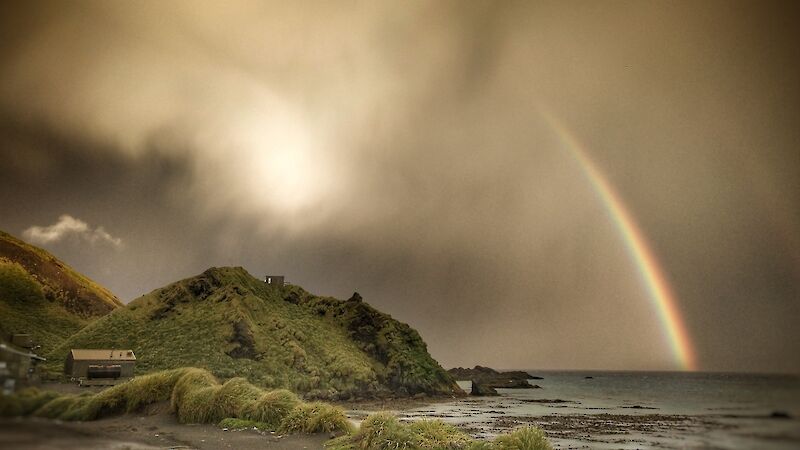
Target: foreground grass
(195,396)
(382,431)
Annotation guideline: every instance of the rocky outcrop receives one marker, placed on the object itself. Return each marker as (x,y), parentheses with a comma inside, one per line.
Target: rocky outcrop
(487,376)
(481,389)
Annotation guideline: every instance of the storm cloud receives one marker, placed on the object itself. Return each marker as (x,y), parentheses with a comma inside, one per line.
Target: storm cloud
(398,150)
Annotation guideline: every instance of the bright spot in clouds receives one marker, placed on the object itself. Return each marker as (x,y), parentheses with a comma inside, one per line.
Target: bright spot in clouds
(273,160)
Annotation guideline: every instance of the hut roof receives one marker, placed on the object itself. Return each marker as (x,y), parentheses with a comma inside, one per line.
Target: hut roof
(82,354)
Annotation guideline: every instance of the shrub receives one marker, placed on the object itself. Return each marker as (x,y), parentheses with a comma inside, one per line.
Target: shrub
(526,438)
(272,407)
(315,417)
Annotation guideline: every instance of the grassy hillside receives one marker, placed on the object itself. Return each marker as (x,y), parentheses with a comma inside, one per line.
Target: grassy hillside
(235,325)
(44,297)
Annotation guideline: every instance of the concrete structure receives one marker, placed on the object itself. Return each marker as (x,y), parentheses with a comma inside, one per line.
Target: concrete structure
(17,363)
(274,280)
(93,364)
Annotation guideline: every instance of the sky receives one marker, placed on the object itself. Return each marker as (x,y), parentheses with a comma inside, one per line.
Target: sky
(423,154)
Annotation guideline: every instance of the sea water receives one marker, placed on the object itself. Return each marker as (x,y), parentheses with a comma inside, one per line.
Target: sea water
(638,410)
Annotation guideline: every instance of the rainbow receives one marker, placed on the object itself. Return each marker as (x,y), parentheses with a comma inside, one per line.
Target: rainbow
(648,267)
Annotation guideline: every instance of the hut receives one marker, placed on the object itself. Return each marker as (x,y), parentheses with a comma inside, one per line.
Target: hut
(95,366)
(274,280)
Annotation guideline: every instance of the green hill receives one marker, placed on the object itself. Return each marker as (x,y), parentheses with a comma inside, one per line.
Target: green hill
(44,297)
(235,325)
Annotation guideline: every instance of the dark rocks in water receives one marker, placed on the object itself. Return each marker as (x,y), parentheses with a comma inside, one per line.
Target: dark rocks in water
(780,415)
(481,389)
(547,400)
(588,378)
(515,379)
(638,407)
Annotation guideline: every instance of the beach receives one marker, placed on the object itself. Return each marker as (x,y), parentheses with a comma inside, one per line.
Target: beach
(577,410)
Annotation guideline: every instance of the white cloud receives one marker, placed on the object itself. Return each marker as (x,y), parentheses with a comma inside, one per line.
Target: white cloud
(70,226)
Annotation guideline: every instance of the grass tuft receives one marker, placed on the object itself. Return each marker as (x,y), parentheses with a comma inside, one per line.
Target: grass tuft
(272,407)
(435,434)
(315,417)
(234,397)
(526,438)
(197,406)
(233,423)
(24,402)
(383,431)
(191,380)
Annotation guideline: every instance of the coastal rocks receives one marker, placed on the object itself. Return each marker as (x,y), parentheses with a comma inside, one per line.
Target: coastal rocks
(780,415)
(495,379)
(481,389)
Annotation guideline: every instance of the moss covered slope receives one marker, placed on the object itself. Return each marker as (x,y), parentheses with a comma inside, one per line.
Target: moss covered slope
(43,296)
(235,325)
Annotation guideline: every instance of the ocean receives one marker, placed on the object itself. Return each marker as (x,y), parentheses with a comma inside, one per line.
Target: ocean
(637,410)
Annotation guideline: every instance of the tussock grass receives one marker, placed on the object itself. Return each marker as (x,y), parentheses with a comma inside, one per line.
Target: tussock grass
(25,402)
(383,431)
(193,379)
(233,423)
(195,397)
(315,417)
(527,438)
(272,407)
(56,407)
(379,431)
(435,434)
(197,406)
(234,397)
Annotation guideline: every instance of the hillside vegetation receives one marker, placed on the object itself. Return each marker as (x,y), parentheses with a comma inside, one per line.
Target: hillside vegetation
(42,296)
(234,325)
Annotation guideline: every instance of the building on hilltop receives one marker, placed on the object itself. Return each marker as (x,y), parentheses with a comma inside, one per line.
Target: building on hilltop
(274,280)
(100,367)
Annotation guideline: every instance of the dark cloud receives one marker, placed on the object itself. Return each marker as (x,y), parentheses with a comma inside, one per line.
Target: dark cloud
(399,151)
